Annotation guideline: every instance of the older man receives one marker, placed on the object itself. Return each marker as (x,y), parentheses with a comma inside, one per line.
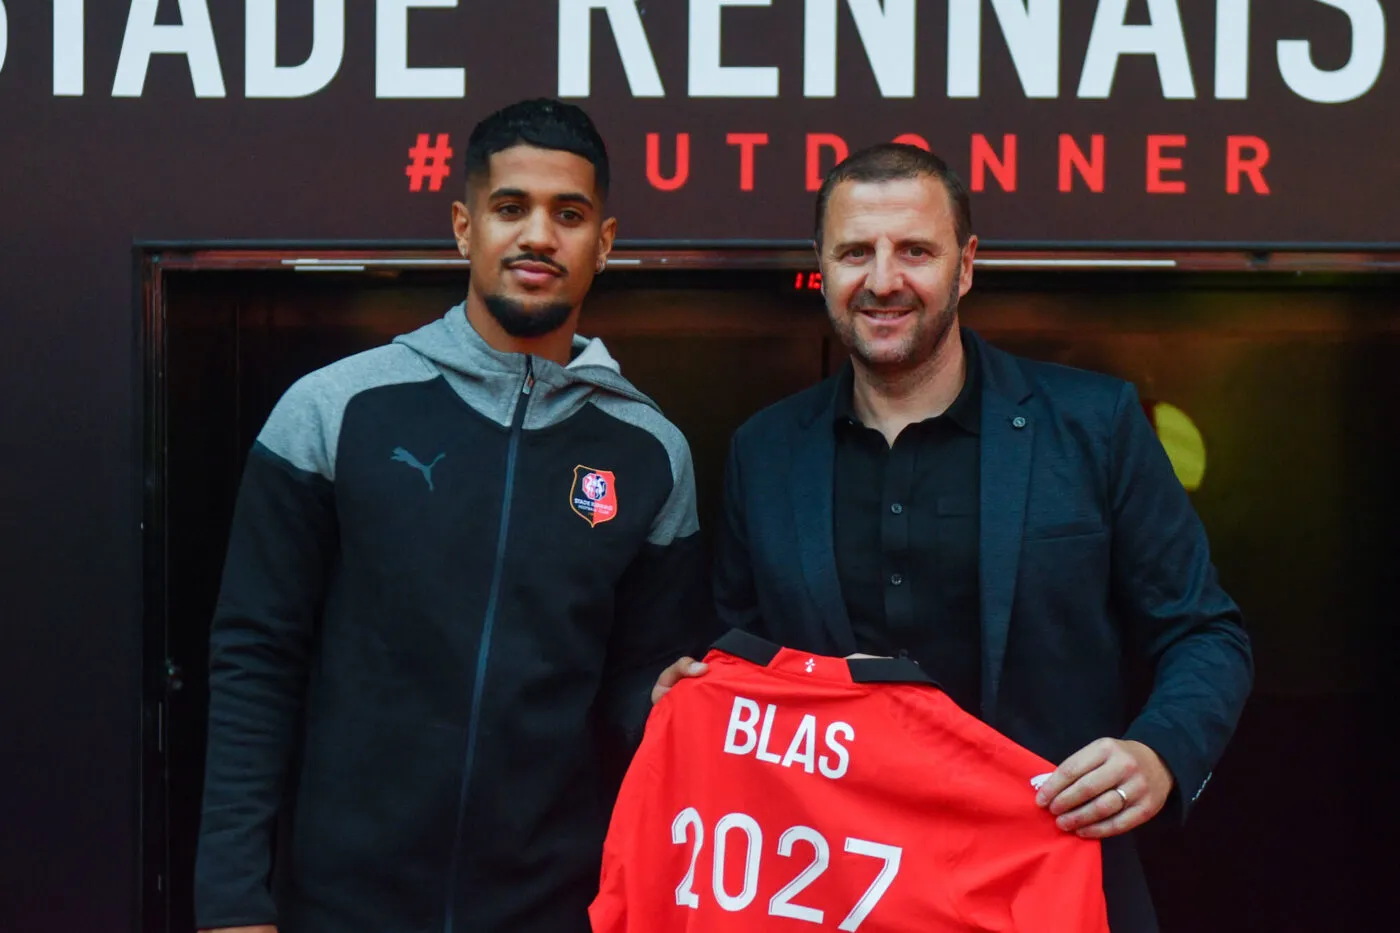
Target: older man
(1013,526)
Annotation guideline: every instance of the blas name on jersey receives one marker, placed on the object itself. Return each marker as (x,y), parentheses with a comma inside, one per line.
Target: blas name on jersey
(745,736)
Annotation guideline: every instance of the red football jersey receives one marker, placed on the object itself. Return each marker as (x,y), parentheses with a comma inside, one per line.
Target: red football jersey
(784,791)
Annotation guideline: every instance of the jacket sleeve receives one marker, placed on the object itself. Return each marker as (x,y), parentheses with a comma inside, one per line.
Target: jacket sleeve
(735,594)
(1177,614)
(662,610)
(280,547)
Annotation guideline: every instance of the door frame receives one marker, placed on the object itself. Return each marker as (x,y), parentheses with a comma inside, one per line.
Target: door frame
(152,260)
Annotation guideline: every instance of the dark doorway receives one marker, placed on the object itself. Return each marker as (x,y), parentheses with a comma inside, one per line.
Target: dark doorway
(1289,382)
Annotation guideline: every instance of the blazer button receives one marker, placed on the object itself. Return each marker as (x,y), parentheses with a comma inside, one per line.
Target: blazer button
(896,579)
(1018,422)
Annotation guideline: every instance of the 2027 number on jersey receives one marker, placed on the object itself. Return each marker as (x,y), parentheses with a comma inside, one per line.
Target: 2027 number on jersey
(782,903)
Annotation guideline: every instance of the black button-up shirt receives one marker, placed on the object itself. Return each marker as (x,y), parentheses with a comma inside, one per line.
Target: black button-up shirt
(906,536)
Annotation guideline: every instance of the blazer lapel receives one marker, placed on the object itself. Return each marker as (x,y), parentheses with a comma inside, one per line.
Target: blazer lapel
(1008,436)
(813,469)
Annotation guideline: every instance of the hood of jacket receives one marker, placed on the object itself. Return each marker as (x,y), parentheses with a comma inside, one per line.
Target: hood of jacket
(492,381)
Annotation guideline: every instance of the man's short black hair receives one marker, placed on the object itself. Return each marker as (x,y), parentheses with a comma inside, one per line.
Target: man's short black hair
(544,123)
(893,161)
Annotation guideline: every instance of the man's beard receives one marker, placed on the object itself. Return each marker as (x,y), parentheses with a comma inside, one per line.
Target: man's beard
(925,338)
(524,322)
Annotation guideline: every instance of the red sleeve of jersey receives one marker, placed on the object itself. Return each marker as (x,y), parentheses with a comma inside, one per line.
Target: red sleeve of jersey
(631,817)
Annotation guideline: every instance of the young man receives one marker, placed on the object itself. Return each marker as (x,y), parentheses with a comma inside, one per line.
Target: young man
(458,564)
(1014,527)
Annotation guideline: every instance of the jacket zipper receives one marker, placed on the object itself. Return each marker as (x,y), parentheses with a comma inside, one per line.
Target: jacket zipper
(484,649)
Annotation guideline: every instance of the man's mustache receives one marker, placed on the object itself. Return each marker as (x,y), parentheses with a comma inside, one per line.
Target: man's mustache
(869,301)
(535,257)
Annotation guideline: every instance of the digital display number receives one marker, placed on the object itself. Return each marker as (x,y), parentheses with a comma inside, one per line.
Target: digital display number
(808,282)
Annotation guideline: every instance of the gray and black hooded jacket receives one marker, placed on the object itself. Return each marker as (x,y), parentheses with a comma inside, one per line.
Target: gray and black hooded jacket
(453,576)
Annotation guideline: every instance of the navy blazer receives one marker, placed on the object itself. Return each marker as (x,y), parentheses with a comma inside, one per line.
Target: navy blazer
(1091,555)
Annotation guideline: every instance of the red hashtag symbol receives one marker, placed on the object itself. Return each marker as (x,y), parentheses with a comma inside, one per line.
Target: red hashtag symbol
(433,163)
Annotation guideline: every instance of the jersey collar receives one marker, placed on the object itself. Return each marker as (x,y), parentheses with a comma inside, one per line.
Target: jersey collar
(756,650)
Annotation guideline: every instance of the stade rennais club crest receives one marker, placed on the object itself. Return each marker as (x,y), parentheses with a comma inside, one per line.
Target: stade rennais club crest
(594,495)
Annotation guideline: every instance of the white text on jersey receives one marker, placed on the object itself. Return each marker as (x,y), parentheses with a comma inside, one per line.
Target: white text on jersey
(743,720)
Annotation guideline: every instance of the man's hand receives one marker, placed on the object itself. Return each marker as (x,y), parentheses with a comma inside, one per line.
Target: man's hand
(1106,788)
(685,667)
